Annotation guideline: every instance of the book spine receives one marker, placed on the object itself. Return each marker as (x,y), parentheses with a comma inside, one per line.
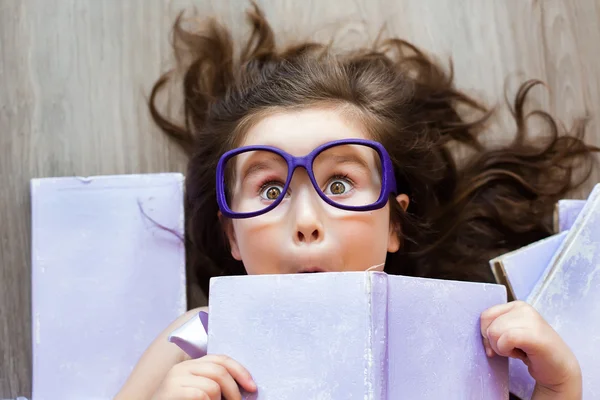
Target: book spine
(36,266)
(376,358)
(501,277)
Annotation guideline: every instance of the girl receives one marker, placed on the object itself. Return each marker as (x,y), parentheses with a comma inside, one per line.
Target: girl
(438,220)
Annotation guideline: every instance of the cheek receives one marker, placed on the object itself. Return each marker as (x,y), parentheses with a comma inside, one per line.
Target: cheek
(364,236)
(259,245)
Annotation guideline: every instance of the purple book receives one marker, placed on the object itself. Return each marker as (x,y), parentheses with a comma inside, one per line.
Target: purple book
(357,335)
(520,270)
(568,297)
(565,214)
(106,280)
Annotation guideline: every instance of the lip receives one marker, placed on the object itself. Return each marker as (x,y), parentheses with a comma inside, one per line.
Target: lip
(311,270)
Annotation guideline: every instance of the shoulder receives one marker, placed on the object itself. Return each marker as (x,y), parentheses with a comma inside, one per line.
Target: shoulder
(156,362)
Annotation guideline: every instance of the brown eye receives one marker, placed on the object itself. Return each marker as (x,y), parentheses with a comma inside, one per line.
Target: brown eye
(337,188)
(271,192)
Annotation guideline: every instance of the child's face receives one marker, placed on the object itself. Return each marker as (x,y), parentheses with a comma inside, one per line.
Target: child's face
(305,234)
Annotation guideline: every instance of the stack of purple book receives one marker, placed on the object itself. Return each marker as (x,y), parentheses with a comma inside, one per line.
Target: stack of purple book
(560,277)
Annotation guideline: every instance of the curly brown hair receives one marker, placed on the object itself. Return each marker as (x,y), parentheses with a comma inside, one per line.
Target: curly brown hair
(461,214)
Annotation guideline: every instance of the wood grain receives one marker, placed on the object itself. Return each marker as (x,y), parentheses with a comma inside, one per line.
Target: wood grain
(75,74)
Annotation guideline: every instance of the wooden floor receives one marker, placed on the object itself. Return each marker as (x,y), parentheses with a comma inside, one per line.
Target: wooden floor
(74,75)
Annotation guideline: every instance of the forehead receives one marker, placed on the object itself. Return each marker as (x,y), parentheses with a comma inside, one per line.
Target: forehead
(298,132)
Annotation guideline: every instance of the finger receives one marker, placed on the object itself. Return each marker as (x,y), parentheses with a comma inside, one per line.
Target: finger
(510,342)
(207,388)
(522,326)
(220,375)
(499,326)
(489,315)
(235,369)
(488,348)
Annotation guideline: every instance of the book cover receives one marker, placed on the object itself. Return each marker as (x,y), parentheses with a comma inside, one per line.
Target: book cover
(565,214)
(357,335)
(106,280)
(568,297)
(520,270)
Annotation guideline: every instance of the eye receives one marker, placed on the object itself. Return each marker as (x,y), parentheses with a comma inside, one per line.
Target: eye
(271,191)
(338,186)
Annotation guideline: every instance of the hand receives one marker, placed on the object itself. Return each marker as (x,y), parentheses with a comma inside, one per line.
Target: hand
(206,378)
(517,330)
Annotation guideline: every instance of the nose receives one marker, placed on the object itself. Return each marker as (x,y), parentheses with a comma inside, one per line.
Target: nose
(308,234)
(307,216)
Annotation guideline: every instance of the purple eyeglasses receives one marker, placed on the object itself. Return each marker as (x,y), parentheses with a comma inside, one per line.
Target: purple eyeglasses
(350,174)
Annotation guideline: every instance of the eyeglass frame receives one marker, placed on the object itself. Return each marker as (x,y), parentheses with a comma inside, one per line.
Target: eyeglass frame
(388,184)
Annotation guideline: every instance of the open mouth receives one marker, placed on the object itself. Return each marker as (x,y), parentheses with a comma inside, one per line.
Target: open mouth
(311,270)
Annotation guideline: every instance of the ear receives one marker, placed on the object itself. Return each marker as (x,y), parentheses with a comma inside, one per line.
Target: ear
(227,226)
(393,239)
(403,200)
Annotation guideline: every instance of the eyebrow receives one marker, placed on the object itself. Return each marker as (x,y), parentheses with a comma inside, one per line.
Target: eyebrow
(259,165)
(344,159)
